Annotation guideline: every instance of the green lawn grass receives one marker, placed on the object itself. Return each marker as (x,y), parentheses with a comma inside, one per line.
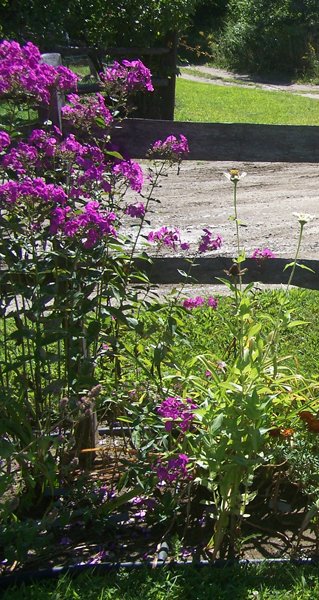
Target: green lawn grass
(206,102)
(261,582)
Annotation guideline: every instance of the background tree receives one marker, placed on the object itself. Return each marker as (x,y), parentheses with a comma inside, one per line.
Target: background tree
(271,35)
(94,22)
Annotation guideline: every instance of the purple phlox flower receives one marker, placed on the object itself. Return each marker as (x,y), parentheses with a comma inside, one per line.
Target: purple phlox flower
(4,140)
(136,210)
(191,303)
(84,112)
(208,373)
(262,253)
(58,218)
(208,242)
(167,237)
(71,145)
(20,158)
(66,79)
(132,172)
(144,505)
(92,174)
(22,73)
(130,76)
(44,141)
(105,493)
(93,153)
(212,302)
(172,148)
(36,188)
(175,469)
(177,412)
(92,224)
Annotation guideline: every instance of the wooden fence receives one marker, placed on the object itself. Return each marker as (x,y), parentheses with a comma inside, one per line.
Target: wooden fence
(229,142)
(162,61)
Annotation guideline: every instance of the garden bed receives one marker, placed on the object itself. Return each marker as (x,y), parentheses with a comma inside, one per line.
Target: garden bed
(216,399)
(74,530)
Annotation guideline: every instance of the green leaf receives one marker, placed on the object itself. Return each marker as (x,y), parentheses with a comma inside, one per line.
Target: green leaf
(297,323)
(114,154)
(217,423)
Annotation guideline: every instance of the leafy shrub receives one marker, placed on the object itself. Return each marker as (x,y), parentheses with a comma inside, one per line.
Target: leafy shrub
(119,22)
(266,36)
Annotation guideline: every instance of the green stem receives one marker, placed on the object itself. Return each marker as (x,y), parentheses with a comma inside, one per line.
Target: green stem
(296,257)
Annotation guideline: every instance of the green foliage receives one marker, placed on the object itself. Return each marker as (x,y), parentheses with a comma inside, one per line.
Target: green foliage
(263,36)
(117,22)
(197,42)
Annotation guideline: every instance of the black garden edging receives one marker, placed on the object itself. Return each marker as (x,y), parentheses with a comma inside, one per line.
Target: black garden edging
(27,577)
(208,270)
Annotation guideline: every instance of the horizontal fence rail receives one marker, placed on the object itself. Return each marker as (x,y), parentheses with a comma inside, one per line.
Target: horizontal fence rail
(207,271)
(224,141)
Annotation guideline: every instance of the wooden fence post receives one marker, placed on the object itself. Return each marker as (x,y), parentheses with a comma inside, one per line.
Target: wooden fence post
(168,95)
(53,111)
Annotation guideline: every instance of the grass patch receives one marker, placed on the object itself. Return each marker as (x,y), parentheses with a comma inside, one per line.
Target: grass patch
(205,102)
(203,327)
(261,582)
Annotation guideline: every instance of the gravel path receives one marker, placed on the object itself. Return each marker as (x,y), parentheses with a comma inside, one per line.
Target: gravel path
(222,77)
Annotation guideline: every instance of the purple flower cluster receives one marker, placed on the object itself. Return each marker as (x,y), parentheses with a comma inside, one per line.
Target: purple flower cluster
(175,469)
(4,140)
(44,141)
(143,505)
(168,237)
(33,189)
(172,148)
(208,242)
(132,75)
(262,254)
(91,224)
(191,303)
(132,172)
(20,158)
(177,412)
(23,74)
(136,210)
(84,112)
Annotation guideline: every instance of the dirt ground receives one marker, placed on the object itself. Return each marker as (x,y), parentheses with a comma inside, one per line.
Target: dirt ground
(267,197)
(200,196)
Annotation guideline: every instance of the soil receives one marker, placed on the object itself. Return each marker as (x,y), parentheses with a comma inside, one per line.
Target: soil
(200,196)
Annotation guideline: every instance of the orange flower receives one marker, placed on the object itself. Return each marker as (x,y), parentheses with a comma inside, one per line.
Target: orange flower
(281,432)
(311,420)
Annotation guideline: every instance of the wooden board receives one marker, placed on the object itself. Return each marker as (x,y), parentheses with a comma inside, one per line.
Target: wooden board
(224,141)
(207,271)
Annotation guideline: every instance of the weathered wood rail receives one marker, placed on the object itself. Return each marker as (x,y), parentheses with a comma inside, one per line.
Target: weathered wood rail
(224,141)
(162,60)
(209,270)
(235,142)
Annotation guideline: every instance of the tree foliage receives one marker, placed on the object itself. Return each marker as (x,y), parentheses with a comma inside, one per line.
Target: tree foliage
(94,22)
(267,35)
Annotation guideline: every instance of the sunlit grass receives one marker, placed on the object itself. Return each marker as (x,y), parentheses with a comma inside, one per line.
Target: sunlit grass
(205,102)
(263,582)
